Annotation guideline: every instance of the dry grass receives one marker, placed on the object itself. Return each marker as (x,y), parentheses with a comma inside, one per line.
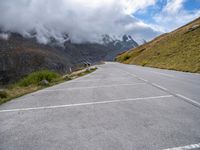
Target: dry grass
(178,50)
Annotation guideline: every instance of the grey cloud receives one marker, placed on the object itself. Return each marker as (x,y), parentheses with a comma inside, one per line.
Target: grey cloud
(82,20)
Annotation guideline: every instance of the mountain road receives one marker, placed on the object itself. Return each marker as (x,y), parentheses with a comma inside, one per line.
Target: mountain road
(117,107)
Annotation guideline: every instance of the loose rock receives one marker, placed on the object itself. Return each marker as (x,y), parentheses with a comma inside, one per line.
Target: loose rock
(44,82)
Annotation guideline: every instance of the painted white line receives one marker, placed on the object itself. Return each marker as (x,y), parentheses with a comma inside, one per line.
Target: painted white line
(96,80)
(158,86)
(187,147)
(91,87)
(188,100)
(164,74)
(134,75)
(85,104)
(142,79)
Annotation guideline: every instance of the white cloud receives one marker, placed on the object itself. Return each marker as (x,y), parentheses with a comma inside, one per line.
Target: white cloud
(173,16)
(173,6)
(83,20)
(139,29)
(131,6)
(4,36)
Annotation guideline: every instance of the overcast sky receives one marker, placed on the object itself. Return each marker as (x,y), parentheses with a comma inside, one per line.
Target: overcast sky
(87,20)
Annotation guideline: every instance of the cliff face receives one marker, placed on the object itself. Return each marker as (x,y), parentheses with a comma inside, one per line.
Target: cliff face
(20,56)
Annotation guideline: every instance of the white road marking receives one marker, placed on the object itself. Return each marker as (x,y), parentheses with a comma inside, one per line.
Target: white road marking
(85,104)
(164,74)
(134,75)
(142,79)
(187,147)
(91,80)
(168,91)
(156,85)
(96,80)
(91,87)
(188,100)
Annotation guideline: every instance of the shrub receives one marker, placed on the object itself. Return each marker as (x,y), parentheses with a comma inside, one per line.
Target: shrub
(37,77)
(3,94)
(144,63)
(93,69)
(126,57)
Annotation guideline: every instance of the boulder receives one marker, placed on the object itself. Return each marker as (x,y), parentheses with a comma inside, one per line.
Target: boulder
(44,82)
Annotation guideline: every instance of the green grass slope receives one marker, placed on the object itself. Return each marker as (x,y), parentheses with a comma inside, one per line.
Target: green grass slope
(177,50)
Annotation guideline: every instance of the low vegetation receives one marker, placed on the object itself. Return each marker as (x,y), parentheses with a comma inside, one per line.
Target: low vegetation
(36,81)
(36,77)
(178,50)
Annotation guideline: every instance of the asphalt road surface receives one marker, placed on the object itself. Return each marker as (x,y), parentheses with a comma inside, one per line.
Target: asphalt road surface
(117,107)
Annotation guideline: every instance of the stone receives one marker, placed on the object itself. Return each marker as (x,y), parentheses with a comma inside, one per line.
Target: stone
(44,82)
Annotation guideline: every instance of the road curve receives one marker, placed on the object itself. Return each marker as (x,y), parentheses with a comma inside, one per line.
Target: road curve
(117,107)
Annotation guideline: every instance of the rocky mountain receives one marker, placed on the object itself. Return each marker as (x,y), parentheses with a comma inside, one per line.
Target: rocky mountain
(118,46)
(19,55)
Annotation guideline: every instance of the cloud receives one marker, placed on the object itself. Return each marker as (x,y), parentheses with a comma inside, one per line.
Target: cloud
(4,36)
(173,6)
(82,20)
(173,15)
(132,6)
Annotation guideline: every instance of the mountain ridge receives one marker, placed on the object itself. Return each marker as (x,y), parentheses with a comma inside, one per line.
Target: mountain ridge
(21,56)
(177,50)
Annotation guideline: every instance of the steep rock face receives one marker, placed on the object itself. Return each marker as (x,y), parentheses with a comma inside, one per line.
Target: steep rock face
(118,46)
(20,56)
(90,52)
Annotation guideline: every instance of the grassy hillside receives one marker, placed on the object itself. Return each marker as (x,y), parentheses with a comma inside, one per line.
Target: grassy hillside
(177,50)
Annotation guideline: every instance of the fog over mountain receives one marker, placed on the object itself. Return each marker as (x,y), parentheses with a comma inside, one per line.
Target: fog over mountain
(81,20)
